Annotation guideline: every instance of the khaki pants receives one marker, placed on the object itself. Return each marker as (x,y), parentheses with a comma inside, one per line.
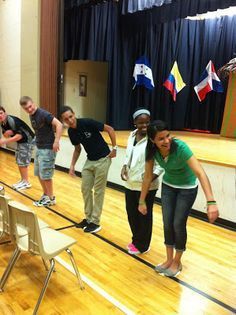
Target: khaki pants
(94,179)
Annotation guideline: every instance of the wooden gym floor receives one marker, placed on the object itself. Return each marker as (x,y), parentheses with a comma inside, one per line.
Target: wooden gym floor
(115,282)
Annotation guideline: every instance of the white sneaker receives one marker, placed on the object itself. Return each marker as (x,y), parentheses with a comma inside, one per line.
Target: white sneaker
(16,184)
(23,185)
(45,201)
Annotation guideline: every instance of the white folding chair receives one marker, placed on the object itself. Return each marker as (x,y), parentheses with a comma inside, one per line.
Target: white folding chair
(2,190)
(45,242)
(4,216)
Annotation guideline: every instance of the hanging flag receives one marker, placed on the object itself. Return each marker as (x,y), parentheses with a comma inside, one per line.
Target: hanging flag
(209,81)
(174,83)
(143,73)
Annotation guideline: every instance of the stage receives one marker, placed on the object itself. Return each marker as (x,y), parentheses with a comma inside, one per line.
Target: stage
(208,148)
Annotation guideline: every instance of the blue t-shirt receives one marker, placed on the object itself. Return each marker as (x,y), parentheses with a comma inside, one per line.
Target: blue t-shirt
(41,122)
(87,133)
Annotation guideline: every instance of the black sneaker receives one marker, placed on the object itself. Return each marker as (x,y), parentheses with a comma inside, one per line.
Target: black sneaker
(92,228)
(82,224)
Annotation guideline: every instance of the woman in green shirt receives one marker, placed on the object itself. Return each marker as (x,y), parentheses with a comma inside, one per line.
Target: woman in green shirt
(179,191)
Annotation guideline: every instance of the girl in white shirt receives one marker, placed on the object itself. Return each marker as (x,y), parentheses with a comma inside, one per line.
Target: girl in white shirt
(132,173)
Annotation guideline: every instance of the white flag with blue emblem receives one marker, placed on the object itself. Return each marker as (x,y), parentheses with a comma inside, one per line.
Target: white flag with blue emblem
(143,73)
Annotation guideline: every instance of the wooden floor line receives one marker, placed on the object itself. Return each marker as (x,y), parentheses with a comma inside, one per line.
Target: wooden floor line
(65,227)
(183,283)
(95,287)
(189,286)
(27,196)
(5,242)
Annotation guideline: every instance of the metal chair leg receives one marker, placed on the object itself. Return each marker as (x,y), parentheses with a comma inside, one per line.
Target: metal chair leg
(75,268)
(2,228)
(13,259)
(45,264)
(52,264)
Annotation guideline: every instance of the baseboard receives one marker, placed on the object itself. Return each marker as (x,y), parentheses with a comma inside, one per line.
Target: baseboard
(6,150)
(194,213)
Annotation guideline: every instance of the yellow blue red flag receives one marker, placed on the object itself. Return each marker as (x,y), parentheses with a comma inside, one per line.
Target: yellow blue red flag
(174,83)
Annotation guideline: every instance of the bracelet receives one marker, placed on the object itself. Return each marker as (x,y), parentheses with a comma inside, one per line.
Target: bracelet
(115,148)
(142,202)
(211,202)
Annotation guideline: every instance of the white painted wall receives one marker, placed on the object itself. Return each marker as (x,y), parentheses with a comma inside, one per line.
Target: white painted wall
(10,28)
(19,54)
(94,104)
(30,52)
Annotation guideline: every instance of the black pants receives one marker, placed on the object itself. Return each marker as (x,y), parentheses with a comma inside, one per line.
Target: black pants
(141,225)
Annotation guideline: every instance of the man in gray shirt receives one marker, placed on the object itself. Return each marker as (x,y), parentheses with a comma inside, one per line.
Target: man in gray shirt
(47,145)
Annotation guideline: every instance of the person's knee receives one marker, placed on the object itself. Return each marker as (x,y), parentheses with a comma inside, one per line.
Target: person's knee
(46,173)
(99,192)
(86,189)
(179,226)
(168,229)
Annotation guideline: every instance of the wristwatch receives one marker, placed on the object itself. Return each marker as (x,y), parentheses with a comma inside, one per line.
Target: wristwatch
(115,147)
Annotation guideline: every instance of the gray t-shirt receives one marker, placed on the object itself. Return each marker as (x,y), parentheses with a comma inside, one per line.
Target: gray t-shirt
(41,122)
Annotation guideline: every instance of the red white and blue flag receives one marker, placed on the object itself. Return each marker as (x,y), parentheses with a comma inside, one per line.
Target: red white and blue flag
(209,81)
(174,83)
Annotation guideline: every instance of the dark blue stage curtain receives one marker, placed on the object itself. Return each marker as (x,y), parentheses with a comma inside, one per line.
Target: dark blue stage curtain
(102,33)
(131,6)
(74,3)
(91,31)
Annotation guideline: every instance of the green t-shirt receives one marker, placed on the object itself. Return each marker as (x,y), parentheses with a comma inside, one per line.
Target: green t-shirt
(177,171)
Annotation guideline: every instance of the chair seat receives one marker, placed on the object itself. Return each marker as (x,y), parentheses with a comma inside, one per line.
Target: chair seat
(54,242)
(42,224)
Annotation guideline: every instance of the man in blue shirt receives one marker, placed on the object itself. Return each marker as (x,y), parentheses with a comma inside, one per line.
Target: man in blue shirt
(47,145)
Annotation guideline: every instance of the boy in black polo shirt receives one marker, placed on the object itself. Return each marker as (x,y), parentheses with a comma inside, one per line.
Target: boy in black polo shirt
(95,170)
(16,130)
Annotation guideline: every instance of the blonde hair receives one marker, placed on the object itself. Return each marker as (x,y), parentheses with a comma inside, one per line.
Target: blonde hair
(24,100)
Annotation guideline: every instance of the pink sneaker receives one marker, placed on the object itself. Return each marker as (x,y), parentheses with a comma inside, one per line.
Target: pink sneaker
(129,246)
(133,250)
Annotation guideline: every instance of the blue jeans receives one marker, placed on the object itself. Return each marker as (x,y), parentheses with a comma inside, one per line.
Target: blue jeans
(176,205)
(44,163)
